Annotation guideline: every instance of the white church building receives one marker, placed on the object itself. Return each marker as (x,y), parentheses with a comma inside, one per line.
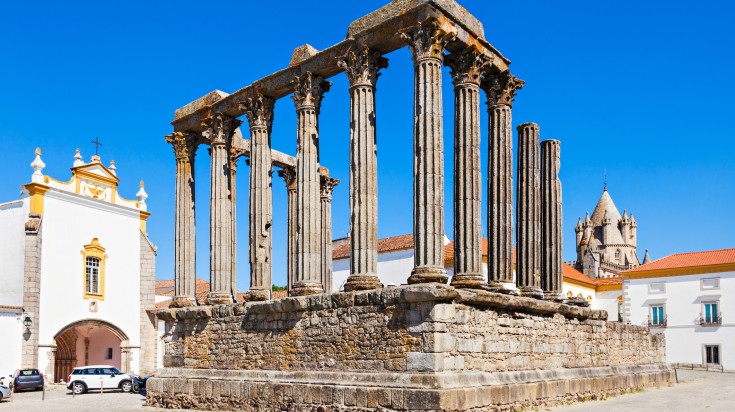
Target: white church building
(78,274)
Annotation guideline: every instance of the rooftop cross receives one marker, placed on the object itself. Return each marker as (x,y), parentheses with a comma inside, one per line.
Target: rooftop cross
(97,145)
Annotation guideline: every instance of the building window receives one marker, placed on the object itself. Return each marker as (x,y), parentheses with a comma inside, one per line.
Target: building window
(710,283)
(617,255)
(93,261)
(656,287)
(109,353)
(712,354)
(657,317)
(711,315)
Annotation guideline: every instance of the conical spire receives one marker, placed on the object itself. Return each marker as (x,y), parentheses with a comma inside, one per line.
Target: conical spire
(646,258)
(605,206)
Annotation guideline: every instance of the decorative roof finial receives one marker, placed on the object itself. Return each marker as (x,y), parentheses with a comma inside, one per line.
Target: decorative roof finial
(113,168)
(142,195)
(37,165)
(78,161)
(604,188)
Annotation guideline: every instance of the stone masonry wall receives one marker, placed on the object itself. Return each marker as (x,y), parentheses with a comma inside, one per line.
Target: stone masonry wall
(416,328)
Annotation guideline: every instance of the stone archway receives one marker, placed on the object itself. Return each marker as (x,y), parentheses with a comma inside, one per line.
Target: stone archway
(89,341)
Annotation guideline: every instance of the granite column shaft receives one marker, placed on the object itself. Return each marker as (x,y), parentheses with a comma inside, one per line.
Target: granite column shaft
(327,186)
(551,220)
(259,112)
(307,97)
(184,145)
(220,222)
(528,212)
(289,177)
(427,43)
(362,69)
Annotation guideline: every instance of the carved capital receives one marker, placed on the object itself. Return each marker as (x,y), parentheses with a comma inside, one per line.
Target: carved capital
(427,40)
(289,176)
(467,66)
(309,90)
(184,144)
(327,185)
(220,128)
(362,67)
(259,111)
(501,88)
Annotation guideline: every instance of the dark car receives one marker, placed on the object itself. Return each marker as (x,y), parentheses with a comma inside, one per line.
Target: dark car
(27,379)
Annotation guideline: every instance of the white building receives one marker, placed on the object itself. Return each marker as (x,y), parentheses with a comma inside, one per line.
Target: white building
(78,274)
(395,261)
(689,297)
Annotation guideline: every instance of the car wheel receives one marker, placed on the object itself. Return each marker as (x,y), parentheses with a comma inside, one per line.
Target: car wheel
(136,388)
(126,386)
(78,388)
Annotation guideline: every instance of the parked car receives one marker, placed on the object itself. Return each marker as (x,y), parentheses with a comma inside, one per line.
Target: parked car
(26,379)
(4,392)
(84,378)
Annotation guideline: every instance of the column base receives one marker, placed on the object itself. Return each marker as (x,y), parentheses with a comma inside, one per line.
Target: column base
(304,288)
(257,295)
(362,282)
(428,274)
(531,292)
(577,301)
(500,287)
(554,296)
(182,302)
(467,281)
(215,298)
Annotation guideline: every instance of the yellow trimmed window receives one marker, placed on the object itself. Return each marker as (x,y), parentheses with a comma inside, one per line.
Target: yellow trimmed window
(93,260)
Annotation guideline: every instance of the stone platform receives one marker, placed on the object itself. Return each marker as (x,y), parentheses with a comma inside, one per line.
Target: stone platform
(420,347)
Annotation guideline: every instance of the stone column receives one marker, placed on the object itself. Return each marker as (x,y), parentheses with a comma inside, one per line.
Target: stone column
(233,198)
(185,145)
(308,93)
(551,221)
(289,176)
(260,116)
(500,90)
(327,186)
(31,288)
(427,43)
(528,212)
(221,133)
(362,68)
(467,66)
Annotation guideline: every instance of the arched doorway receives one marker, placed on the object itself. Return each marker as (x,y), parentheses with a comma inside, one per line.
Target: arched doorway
(89,342)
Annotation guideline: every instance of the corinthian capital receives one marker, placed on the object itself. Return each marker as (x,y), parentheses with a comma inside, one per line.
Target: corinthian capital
(259,111)
(184,144)
(220,128)
(362,66)
(427,40)
(327,186)
(501,88)
(289,176)
(309,90)
(467,66)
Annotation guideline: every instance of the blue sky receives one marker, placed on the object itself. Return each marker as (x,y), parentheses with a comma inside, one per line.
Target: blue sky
(641,89)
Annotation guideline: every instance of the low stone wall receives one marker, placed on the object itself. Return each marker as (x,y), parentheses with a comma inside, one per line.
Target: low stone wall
(415,347)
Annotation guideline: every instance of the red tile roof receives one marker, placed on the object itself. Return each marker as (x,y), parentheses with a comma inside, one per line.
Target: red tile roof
(388,244)
(570,273)
(688,260)
(11,307)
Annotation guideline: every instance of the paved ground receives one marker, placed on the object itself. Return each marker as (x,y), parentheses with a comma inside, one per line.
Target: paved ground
(696,391)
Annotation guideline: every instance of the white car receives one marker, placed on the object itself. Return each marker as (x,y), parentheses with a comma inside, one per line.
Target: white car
(84,378)
(4,392)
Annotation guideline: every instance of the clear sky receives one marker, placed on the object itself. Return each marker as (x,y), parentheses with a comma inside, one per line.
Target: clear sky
(641,89)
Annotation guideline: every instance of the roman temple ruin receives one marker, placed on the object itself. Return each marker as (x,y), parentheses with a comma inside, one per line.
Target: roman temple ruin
(472,344)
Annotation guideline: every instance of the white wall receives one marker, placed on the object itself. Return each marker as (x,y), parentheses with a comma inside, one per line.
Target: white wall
(607,300)
(683,300)
(11,330)
(393,267)
(70,222)
(12,248)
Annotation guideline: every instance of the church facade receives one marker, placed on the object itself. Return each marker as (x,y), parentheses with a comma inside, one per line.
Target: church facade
(606,242)
(79,277)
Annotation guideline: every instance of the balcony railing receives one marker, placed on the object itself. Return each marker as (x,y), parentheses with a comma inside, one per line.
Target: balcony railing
(711,320)
(660,323)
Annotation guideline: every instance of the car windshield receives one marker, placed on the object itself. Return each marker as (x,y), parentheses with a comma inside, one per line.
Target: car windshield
(29,372)
(117,371)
